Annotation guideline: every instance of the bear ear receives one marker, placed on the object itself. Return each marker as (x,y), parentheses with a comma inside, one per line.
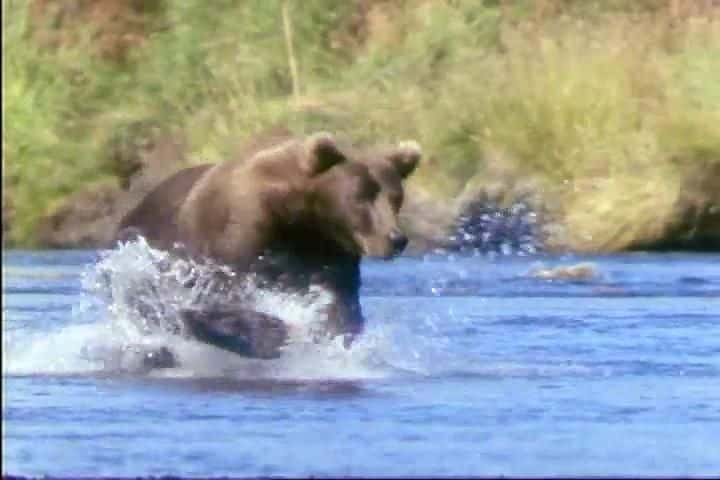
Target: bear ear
(322,153)
(406,157)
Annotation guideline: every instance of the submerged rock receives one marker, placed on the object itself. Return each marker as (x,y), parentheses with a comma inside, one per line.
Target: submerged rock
(580,271)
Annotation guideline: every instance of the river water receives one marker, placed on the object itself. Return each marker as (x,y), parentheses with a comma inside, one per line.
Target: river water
(469,365)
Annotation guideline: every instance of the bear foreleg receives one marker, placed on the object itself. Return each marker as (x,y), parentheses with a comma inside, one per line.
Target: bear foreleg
(237,329)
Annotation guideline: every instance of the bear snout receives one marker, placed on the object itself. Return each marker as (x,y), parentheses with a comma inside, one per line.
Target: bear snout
(398,241)
(384,246)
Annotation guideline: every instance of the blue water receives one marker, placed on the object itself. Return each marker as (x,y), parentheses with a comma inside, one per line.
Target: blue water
(468,366)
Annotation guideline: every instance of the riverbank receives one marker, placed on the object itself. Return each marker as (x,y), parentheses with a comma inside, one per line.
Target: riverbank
(607,117)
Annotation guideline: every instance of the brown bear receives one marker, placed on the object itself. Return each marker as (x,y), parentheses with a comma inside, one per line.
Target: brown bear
(297,214)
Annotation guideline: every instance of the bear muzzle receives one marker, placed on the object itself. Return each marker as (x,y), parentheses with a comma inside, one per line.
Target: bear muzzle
(398,242)
(386,247)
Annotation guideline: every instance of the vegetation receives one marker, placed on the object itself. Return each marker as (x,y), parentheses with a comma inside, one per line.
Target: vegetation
(610,106)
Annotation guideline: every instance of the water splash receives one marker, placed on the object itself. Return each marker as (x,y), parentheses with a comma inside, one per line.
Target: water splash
(486,228)
(131,304)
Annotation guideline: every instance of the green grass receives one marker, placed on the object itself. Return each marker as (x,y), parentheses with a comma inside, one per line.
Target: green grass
(49,148)
(608,107)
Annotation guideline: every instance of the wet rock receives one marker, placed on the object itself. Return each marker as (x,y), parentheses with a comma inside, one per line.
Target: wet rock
(580,271)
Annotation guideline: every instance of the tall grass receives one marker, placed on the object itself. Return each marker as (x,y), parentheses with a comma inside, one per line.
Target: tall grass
(610,108)
(49,147)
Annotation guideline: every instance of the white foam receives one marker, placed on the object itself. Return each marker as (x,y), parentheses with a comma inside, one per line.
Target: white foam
(131,303)
(132,300)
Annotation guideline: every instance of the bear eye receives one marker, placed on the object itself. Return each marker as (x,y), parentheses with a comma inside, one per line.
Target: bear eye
(368,190)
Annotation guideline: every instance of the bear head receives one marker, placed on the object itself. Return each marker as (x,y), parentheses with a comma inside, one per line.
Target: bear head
(355,196)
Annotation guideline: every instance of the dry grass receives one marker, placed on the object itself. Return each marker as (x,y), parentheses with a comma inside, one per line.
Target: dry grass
(608,108)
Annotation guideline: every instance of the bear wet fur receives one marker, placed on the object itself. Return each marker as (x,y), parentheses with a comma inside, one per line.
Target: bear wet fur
(298,213)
